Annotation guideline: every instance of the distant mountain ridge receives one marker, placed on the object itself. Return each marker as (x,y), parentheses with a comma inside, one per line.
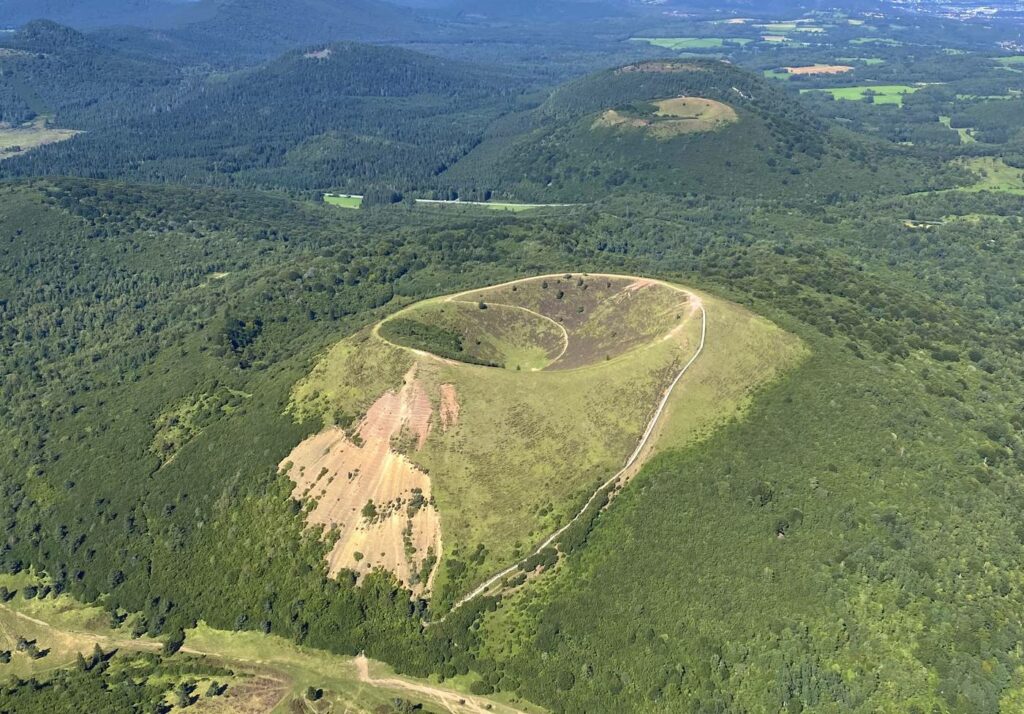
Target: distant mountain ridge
(605,132)
(331,116)
(87,14)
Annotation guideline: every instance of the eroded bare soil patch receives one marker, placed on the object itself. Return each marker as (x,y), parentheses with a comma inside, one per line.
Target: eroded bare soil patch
(366,489)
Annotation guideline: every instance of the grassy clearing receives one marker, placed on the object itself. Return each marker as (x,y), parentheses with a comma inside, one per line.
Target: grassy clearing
(343,200)
(692,43)
(529,445)
(966,134)
(64,627)
(877,41)
(881,93)
(20,139)
(776,27)
(994,175)
(1015,60)
(493,205)
(670,117)
(869,61)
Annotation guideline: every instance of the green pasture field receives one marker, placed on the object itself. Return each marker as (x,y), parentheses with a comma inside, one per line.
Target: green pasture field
(995,175)
(343,200)
(883,93)
(492,205)
(692,43)
(20,139)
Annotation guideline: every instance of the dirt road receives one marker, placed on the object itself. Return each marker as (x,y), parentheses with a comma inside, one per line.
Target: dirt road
(452,701)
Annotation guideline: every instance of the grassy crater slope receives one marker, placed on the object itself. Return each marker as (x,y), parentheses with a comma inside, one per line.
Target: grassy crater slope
(512,450)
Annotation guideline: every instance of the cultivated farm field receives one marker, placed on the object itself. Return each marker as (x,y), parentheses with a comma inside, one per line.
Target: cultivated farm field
(881,93)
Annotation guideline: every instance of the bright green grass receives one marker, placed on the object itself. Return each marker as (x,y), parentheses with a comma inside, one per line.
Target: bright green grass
(995,175)
(966,137)
(869,61)
(876,41)
(493,205)
(776,74)
(884,93)
(1014,60)
(692,43)
(343,200)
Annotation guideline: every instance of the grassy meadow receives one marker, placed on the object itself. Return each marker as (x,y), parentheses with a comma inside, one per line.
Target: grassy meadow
(267,671)
(692,43)
(881,93)
(20,139)
(343,200)
(491,205)
(994,175)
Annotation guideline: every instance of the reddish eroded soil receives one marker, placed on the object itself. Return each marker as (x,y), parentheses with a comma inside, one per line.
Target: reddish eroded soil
(449,406)
(368,492)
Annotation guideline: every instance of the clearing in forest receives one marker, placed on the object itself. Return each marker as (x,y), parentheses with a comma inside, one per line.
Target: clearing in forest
(879,93)
(343,200)
(667,118)
(268,672)
(491,205)
(819,69)
(15,140)
(692,43)
(994,174)
(501,409)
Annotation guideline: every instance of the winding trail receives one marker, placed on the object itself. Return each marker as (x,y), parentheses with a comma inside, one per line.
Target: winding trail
(630,463)
(452,701)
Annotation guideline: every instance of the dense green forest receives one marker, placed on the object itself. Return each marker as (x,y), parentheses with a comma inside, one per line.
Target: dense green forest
(166,295)
(851,542)
(57,70)
(343,115)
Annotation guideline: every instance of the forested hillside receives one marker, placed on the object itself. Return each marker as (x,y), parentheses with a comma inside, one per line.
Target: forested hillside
(52,69)
(333,116)
(562,151)
(178,306)
(884,467)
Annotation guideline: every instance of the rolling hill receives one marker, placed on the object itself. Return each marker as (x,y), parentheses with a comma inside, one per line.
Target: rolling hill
(610,131)
(100,13)
(55,70)
(415,405)
(336,115)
